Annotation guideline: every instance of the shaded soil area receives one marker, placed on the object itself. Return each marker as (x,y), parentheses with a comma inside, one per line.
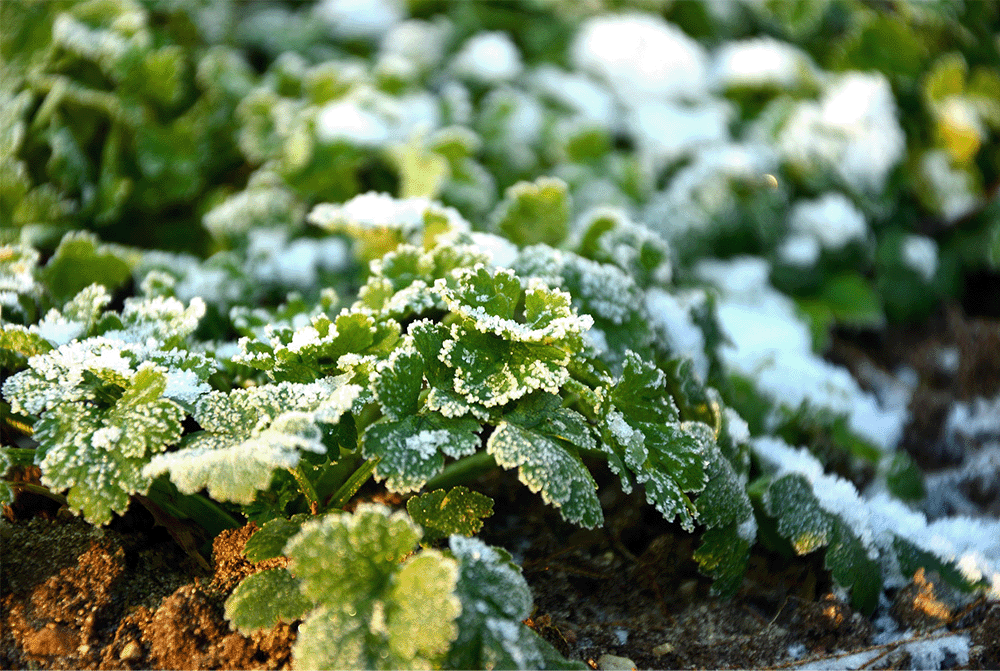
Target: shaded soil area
(128,596)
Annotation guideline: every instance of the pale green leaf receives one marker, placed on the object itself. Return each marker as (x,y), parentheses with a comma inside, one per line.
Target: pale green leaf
(422,608)
(545,465)
(533,212)
(456,511)
(264,599)
(344,560)
(412,450)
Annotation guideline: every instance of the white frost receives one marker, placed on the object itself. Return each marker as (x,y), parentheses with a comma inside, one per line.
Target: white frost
(641,57)
(354,19)
(761,62)
(832,219)
(921,254)
(852,129)
(490,57)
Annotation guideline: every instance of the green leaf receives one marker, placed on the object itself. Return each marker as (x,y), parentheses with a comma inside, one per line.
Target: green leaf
(492,371)
(852,300)
(904,478)
(549,465)
(17,343)
(345,559)
(374,609)
(269,541)
(399,382)
(412,450)
(885,43)
(641,394)
(80,261)
(723,556)
(264,599)
(482,294)
(251,433)
(808,526)
(725,509)
(533,212)
(495,601)
(98,454)
(457,511)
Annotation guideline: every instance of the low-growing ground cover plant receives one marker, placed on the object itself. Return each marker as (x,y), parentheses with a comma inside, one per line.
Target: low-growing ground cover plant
(256,256)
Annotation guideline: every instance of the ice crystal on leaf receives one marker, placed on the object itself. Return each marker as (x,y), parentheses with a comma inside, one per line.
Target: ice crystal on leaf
(497,358)
(644,439)
(495,602)
(543,442)
(98,453)
(302,354)
(250,433)
(376,608)
(412,450)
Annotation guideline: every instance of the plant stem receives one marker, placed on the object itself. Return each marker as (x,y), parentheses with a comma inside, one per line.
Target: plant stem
(462,471)
(21,456)
(353,484)
(306,487)
(41,491)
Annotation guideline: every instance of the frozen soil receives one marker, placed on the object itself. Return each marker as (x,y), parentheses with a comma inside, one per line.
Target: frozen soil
(128,597)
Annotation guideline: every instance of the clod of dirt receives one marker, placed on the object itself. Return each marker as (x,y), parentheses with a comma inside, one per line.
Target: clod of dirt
(79,597)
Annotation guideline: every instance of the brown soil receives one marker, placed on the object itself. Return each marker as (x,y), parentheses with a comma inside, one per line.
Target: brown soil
(128,597)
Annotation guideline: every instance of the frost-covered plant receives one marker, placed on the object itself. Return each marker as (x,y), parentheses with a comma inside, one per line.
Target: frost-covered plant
(424,242)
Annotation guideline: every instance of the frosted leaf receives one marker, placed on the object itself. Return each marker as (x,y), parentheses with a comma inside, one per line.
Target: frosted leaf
(600,290)
(250,433)
(98,454)
(488,299)
(59,376)
(762,62)
(262,207)
(495,601)
(920,254)
(725,510)
(402,282)
(163,319)
(492,372)
(832,219)
(412,449)
(608,235)
(264,599)
(76,319)
(852,130)
(374,611)
(306,352)
(372,213)
(546,466)
(489,57)
(641,57)
(534,212)
(18,269)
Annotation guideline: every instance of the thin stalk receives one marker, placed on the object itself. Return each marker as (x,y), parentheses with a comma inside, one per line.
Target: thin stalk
(353,484)
(306,488)
(462,471)
(21,456)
